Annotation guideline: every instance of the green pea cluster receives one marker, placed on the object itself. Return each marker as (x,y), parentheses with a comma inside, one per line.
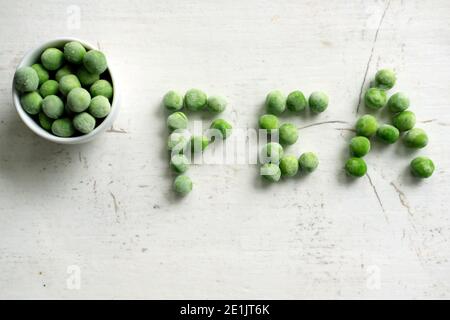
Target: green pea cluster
(181,144)
(68,91)
(276,102)
(275,164)
(403,122)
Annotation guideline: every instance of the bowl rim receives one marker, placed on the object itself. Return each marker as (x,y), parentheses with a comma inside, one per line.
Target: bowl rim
(35,127)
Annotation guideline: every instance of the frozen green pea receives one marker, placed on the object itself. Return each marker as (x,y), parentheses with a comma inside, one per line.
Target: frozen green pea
(296,101)
(86,78)
(289,166)
(275,102)
(271,153)
(356,167)
(99,107)
(308,162)
(179,163)
(385,79)
(182,185)
(177,120)
(199,143)
(45,122)
(398,102)
(53,106)
(52,59)
(271,172)
(217,104)
(224,128)
(49,87)
(78,99)
(31,102)
(269,122)
(318,101)
(375,98)
(404,120)
(416,138)
(195,100)
(68,83)
(288,134)
(173,100)
(366,126)
(41,72)
(74,52)
(178,141)
(95,61)
(26,79)
(359,146)
(422,167)
(64,71)
(84,122)
(388,133)
(63,128)
(102,88)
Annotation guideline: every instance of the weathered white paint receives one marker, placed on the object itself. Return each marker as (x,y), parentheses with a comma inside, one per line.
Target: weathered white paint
(104,211)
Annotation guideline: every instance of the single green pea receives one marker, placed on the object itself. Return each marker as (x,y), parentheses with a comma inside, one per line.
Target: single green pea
(86,78)
(359,146)
(53,106)
(45,122)
(199,143)
(269,122)
(67,83)
(102,88)
(296,101)
(78,99)
(271,153)
(95,61)
(308,162)
(271,172)
(288,133)
(31,102)
(41,72)
(179,163)
(385,79)
(217,104)
(182,185)
(375,98)
(64,71)
(99,107)
(289,166)
(195,100)
(173,100)
(84,122)
(388,133)
(224,128)
(275,102)
(52,59)
(404,120)
(366,126)
(177,120)
(318,102)
(63,128)
(178,141)
(356,167)
(398,102)
(422,167)
(48,88)
(26,79)
(74,52)
(416,138)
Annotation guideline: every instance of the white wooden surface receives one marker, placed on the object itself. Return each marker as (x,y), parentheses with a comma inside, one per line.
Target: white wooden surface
(107,208)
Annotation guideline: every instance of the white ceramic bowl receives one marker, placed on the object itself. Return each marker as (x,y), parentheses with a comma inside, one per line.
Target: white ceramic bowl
(32,57)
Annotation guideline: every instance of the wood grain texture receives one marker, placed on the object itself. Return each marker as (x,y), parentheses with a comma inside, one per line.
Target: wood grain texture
(107,206)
